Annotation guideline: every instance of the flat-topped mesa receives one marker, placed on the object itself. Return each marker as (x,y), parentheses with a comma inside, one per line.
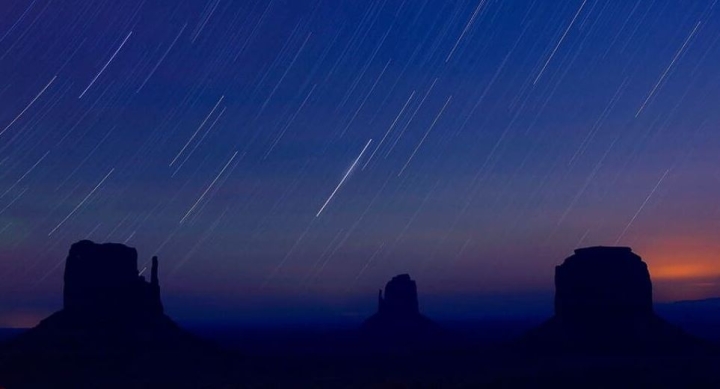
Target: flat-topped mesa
(400,297)
(103,280)
(603,305)
(607,283)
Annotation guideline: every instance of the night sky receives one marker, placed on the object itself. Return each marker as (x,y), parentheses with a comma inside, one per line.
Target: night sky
(285,158)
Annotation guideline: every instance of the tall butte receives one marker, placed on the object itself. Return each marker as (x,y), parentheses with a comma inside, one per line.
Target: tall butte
(102,282)
(111,327)
(603,304)
(105,298)
(398,316)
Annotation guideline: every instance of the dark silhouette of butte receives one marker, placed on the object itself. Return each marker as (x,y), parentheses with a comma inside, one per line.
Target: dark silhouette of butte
(398,316)
(603,304)
(102,282)
(112,324)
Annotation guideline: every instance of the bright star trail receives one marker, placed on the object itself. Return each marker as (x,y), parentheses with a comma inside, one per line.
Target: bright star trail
(106,65)
(342,181)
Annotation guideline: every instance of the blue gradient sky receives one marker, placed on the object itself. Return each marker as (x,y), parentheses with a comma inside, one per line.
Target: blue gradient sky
(472,144)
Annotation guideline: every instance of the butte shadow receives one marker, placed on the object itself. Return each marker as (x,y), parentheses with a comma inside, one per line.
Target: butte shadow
(111,331)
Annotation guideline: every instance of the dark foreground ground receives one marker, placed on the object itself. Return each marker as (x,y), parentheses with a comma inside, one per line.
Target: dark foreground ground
(480,354)
(472,368)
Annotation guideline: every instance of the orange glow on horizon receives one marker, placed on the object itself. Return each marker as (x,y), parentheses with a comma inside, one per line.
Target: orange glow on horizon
(683,267)
(684,271)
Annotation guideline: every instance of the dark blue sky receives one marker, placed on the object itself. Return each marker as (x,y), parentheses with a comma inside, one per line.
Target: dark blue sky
(286,158)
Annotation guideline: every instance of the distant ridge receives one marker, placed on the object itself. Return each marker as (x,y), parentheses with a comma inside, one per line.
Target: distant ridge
(709,300)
